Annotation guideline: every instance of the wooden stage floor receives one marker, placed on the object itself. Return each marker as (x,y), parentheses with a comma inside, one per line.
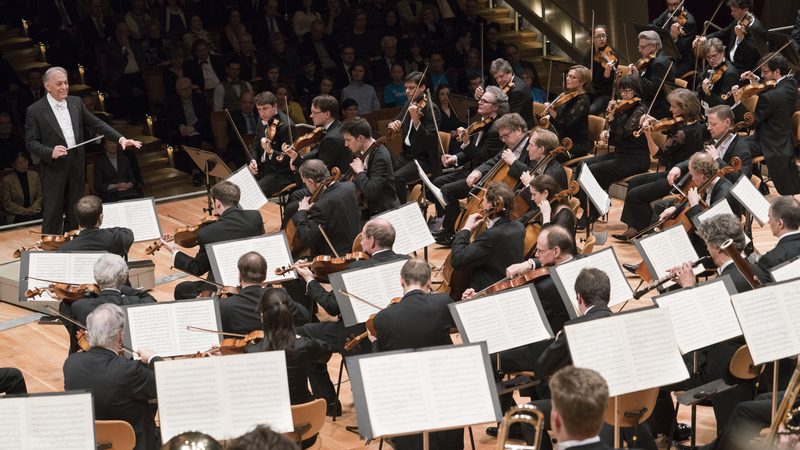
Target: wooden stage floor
(39,351)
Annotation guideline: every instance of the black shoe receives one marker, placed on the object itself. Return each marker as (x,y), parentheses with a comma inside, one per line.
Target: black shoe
(197,179)
(583,222)
(622,237)
(764,189)
(441,232)
(514,433)
(682,432)
(334,409)
(446,241)
(630,268)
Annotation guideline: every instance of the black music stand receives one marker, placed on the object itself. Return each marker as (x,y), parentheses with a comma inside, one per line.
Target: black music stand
(555,77)
(465,108)
(768,42)
(211,164)
(667,44)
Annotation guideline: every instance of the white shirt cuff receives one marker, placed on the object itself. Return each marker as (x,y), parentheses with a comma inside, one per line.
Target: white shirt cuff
(175,253)
(121,139)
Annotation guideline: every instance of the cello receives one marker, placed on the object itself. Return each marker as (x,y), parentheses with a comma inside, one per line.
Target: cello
(520,205)
(295,245)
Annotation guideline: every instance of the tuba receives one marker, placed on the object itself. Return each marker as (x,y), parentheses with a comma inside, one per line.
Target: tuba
(782,434)
(520,414)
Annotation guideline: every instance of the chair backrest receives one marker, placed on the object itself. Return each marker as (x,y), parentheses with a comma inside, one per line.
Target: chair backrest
(756,181)
(574,204)
(445,137)
(219,126)
(742,364)
(154,81)
(623,71)
(395,146)
(596,125)
(568,171)
(308,419)
(750,103)
(538,108)
(357,244)
(118,433)
(635,401)
(588,247)
(681,83)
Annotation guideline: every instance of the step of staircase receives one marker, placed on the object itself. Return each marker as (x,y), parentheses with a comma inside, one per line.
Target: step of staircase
(518,37)
(6,33)
(23,68)
(506,24)
(160,179)
(152,160)
(494,14)
(15,43)
(24,55)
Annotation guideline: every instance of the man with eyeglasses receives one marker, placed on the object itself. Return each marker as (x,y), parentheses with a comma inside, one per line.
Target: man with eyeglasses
(708,92)
(520,98)
(653,76)
(682,35)
(603,74)
(741,48)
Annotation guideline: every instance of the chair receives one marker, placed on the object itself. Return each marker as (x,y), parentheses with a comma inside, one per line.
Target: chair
(756,181)
(283,196)
(634,408)
(114,435)
(308,419)
(742,365)
(623,71)
(568,171)
(219,126)
(588,247)
(574,204)
(445,138)
(596,126)
(796,128)
(681,83)
(395,146)
(538,108)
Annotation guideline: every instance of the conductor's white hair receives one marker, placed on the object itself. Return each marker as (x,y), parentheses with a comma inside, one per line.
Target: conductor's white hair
(104,324)
(110,272)
(53,70)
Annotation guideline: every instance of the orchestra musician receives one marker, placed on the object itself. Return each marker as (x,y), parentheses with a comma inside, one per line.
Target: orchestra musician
(603,73)
(520,97)
(784,222)
(659,70)
(233,223)
(571,119)
(374,175)
(497,247)
(773,115)
(12,381)
(708,92)
(682,35)
(742,49)
(542,190)
(541,143)
(89,213)
(121,387)
(377,240)
(418,320)
(681,142)
(273,175)
(456,185)
(417,131)
(238,313)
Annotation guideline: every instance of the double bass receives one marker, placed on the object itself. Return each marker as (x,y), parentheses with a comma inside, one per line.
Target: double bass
(295,245)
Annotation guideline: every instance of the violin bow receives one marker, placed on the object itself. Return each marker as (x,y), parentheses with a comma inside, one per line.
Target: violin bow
(286,102)
(436,126)
(772,56)
(680,5)
(627,50)
(659,88)
(193,275)
(321,230)
(414,94)
(191,328)
(58,313)
(591,46)
(359,299)
(483,84)
(239,135)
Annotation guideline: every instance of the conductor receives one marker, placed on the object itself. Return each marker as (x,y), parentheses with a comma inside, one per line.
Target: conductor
(54,124)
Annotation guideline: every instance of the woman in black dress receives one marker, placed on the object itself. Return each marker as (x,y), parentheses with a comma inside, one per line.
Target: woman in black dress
(571,118)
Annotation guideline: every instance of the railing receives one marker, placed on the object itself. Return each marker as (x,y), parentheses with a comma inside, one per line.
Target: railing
(560,26)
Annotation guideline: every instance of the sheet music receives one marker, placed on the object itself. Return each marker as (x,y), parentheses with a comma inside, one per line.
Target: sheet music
(786,271)
(63,421)
(251,195)
(430,186)
(667,249)
(217,396)
(721,207)
(504,320)
(377,285)
(599,197)
(604,260)
(411,230)
(224,257)
(702,315)
(74,268)
(161,327)
(444,387)
(750,198)
(644,355)
(770,320)
(138,215)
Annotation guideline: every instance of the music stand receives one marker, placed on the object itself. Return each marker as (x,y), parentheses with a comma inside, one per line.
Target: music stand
(464,107)
(667,44)
(556,75)
(768,42)
(211,164)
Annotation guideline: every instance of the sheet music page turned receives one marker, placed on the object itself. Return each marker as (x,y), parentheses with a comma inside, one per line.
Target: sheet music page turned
(667,249)
(644,355)
(439,388)
(770,320)
(504,320)
(604,260)
(218,396)
(62,421)
(162,327)
(786,271)
(750,198)
(377,285)
(411,230)
(251,195)
(224,257)
(138,215)
(588,183)
(702,315)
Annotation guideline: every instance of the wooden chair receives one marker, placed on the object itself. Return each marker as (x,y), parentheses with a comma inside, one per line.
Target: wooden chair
(395,146)
(634,409)
(588,247)
(308,419)
(219,126)
(742,365)
(445,138)
(681,83)
(596,126)
(114,435)
(756,181)
(568,171)
(623,71)
(796,128)
(538,108)
(574,204)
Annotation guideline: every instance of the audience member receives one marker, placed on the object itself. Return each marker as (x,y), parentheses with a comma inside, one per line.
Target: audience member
(342,71)
(326,85)
(34,91)
(271,22)
(410,10)
(493,49)
(254,63)
(156,49)
(125,63)
(301,21)
(511,54)
(113,175)
(295,112)
(273,78)
(394,93)
(473,67)
(436,73)
(475,82)
(392,26)
(382,68)
(449,122)
(457,54)
(85,8)
(178,69)
(22,191)
(363,43)
(188,113)
(415,61)
(349,109)
(471,20)
(449,9)
(429,31)
(308,83)
(138,19)
(196,32)
(58,33)
(376,11)
(361,92)
(95,29)
(172,18)
(228,92)
(338,18)
(229,41)
(320,45)
(206,70)
(528,75)
(285,56)
(246,119)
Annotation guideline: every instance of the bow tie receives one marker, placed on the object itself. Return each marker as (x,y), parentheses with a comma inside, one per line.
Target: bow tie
(203,62)
(61,105)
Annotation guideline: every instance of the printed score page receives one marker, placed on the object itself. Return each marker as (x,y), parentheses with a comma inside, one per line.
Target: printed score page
(273,247)
(377,285)
(667,249)
(441,388)
(750,198)
(138,215)
(638,350)
(604,260)
(702,315)
(770,320)
(62,421)
(505,320)
(411,230)
(217,396)
(74,268)
(251,195)
(786,271)
(162,327)
(600,198)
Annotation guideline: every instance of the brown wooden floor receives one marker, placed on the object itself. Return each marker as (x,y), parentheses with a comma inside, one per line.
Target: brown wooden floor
(39,351)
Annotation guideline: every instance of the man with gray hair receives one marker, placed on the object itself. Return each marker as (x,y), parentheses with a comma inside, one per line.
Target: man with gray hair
(121,387)
(784,222)
(520,97)
(382,67)
(653,75)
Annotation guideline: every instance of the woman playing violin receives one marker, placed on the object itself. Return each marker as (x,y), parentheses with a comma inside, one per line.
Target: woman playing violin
(603,69)
(571,118)
(719,78)
(542,190)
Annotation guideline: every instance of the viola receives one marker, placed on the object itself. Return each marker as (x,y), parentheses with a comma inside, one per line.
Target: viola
(323,265)
(663,125)
(623,106)
(645,63)
(746,21)
(185,236)
(303,144)
(605,56)
(231,346)
(752,89)
(291,230)
(270,134)
(474,128)
(508,87)
(717,75)
(66,292)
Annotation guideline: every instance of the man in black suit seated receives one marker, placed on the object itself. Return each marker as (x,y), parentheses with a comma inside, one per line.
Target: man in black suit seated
(113,175)
(89,211)
(239,313)
(520,97)
(95,29)
(382,67)
(419,320)
(206,70)
(233,223)
(321,46)
(741,46)
(654,75)
(12,381)
(341,73)
(709,93)
(377,240)
(110,275)
(683,36)
(34,92)
(121,387)
(374,176)
(784,222)
(125,64)
(271,22)
(189,114)
(273,175)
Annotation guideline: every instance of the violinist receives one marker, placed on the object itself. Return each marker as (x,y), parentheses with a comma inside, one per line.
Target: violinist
(415,128)
(520,97)
(89,212)
(499,246)
(653,74)
(272,175)
(741,47)
(683,27)
(487,143)
(541,143)
(110,274)
(238,312)
(720,77)
(682,141)
(773,119)
(280,335)
(374,175)
(571,118)
(542,189)
(233,223)
(121,387)
(784,223)
(604,67)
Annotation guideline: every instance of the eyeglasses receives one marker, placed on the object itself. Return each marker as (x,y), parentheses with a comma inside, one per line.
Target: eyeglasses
(480,100)
(314,113)
(710,56)
(642,47)
(503,137)
(600,36)
(625,89)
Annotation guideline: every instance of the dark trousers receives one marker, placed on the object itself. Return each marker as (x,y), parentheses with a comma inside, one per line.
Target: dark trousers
(19,218)
(454,188)
(643,190)
(746,422)
(438,440)
(406,171)
(62,180)
(609,168)
(523,359)
(294,205)
(12,381)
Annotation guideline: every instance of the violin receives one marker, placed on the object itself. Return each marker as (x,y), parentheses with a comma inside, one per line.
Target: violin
(270,134)
(82,335)
(716,75)
(222,292)
(186,236)
(474,128)
(752,89)
(645,63)
(663,125)
(623,106)
(291,230)
(746,21)
(303,144)
(563,98)
(508,87)
(323,265)
(520,205)
(605,56)
(231,346)
(66,292)
(533,228)
(517,281)
(49,243)
(680,19)
(421,105)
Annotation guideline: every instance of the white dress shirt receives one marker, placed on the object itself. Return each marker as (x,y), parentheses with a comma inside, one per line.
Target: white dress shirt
(61,110)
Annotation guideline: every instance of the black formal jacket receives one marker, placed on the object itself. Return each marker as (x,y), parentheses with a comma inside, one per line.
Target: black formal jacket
(239,313)
(233,223)
(261,30)
(796,31)
(117,240)
(601,84)
(340,75)
(517,168)
(481,148)
(282,133)
(331,150)
(721,189)
(26,99)
(492,251)
(118,60)
(105,174)
(376,183)
(424,141)
(738,148)
(51,18)
(773,116)
(787,248)
(338,213)
(177,117)
(684,42)
(747,55)
(557,354)
(520,100)
(121,390)
(553,305)
(239,121)
(91,37)
(331,46)
(730,78)
(196,72)
(652,80)
(739,281)
(422,320)
(381,70)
